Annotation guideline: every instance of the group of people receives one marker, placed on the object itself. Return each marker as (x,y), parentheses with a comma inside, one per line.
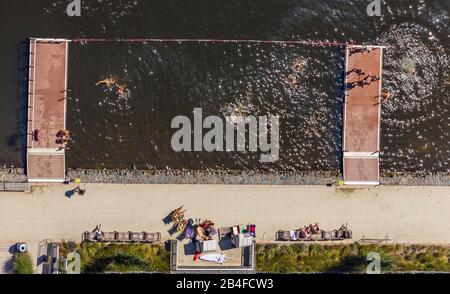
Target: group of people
(366,81)
(200,230)
(63,137)
(360,50)
(109,82)
(297,65)
(309,230)
(177,217)
(205,230)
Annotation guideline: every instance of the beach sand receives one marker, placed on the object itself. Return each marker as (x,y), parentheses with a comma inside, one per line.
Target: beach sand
(405,214)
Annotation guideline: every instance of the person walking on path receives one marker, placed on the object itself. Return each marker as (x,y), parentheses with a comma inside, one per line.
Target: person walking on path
(79,191)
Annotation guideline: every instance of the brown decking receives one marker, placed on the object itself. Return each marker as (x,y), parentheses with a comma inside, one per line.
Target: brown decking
(362,116)
(45,166)
(361,169)
(46,109)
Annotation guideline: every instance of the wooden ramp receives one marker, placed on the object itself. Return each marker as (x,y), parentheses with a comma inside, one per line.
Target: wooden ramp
(47,89)
(363,78)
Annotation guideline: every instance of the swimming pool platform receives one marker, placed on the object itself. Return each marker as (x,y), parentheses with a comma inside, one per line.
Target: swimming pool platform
(47,95)
(47,109)
(362,116)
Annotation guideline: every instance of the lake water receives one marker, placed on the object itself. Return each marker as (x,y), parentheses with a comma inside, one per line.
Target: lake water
(164,80)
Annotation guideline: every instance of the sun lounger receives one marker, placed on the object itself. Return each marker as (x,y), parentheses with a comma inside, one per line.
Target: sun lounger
(89,236)
(152,237)
(123,237)
(224,232)
(329,235)
(348,234)
(137,237)
(283,235)
(344,234)
(108,237)
(245,241)
(315,237)
(208,246)
(189,233)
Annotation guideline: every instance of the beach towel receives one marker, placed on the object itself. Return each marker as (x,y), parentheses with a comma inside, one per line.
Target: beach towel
(293,235)
(213,257)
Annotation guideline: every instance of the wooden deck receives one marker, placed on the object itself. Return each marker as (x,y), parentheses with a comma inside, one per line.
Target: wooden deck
(46,109)
(361,140)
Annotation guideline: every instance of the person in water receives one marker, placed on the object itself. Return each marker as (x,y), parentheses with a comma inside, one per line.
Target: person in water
(292,80)
(108,82)
(121,89)
(385,96)
(298,64)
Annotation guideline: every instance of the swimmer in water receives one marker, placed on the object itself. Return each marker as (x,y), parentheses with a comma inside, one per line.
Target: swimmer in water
(292,80)
(108,82)
(385,96)
(298,64)
(121,90)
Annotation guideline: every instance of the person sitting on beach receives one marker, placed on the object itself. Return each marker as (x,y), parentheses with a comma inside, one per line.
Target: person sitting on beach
(316,229)
(375,78)
(361,83)
(37,135)
(63,134)
(98,233)
(302,233)
(308,231)
(358,71)
(201,233)
(343,228)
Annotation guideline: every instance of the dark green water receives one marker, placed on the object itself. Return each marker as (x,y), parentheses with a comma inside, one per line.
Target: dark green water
(165,80)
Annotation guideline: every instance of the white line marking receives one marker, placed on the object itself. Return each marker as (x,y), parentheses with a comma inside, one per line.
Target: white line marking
(362,183)
(349,154)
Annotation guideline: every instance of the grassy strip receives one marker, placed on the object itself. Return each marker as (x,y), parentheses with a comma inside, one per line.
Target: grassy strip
(119,258)
(352,258)
(23,264)
(272,258)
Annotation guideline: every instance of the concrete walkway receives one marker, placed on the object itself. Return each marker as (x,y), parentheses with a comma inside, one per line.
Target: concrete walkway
(406,214)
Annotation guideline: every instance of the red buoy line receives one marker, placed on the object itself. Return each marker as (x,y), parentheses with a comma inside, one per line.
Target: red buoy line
(239,41)
(236,41)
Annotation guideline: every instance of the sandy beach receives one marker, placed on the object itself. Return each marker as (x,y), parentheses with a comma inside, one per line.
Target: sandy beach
(405,214)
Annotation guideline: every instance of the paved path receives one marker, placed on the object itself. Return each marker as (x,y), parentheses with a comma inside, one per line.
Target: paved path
(406,214)
(5,258)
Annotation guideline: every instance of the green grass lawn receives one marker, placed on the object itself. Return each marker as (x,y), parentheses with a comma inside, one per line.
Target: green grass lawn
(23,264)
(303,258)
(272,258)
(119,258)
